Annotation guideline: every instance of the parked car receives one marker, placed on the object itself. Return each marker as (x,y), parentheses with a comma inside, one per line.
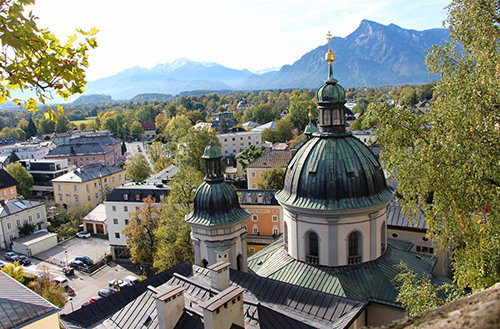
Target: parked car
(68,271)
(12,256)
(24,260)
(117,284)
(94,299)
(61,281)
(85,259)
(105,292)
(130,280)
(76,264)
(83,235)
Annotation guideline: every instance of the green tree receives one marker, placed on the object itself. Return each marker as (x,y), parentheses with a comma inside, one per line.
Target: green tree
(32,131)
(261,113)
(124,147)
(177,128)
(140,232)
(26,229)
(136,129)
(62,124)
(33,58)
(137,167)
(249,154)
(24,178)
(111,124)
(447,160)
(156,150)
(298,112)
(49,289)
(13,158)
(189,149)
(162,163)
(46,126)
(272,179)
(15,271)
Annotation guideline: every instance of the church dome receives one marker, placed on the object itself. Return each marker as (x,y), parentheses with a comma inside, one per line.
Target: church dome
(331,91)
(334,173)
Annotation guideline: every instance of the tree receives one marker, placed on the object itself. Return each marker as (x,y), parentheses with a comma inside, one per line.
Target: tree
(26,229)
(446,161)
(62,124)
(300,105)
(34,59)
(190,148)
(124,148)
(13,158)
(162,163)
(178,127)
(282,132)
(136,129)
(24,178)
(272,179)
(46,126)
(261,113)
(183,187)
(140,232)
(249,154)
(32,131)
(49,289)
(137,167)
(156,150)
(15,271)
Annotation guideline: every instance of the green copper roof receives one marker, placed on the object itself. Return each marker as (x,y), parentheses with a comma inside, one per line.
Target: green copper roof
(331,91)
(310,128)
(372,281)
(334,173)
(212,151)
(216,204)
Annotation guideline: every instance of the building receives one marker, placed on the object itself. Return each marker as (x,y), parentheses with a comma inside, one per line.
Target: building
(100,137)
(21,307)
(233,143)
(43,172)
(269,125)
(366,136)
(334,201)
(87,184)
(16,212)
(149,130)
(126,199)
(217,221)
(84,154)
(28,150)
(8,185)
(95,221)
(265,223)
(270,159)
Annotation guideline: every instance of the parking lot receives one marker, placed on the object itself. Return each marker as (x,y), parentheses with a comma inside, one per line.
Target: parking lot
(94,248)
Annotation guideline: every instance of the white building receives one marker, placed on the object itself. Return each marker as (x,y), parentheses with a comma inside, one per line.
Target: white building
(128,198)
(16,212)
(27,150)
(233,143)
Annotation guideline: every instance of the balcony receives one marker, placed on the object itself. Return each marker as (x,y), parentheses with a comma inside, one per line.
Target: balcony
(312,260)
(354,260)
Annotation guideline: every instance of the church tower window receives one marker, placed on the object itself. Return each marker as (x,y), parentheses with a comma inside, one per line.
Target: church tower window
(312,248)
(354,248)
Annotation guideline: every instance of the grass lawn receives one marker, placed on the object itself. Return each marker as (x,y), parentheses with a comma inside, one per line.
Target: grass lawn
(86,121)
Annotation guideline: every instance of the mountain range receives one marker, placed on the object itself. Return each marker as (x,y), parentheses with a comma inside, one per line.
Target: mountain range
(372,55)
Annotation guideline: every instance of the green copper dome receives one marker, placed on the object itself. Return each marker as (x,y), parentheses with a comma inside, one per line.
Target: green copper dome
(216,204)
(334,173)
(212,151)
(310,128)
(331,92)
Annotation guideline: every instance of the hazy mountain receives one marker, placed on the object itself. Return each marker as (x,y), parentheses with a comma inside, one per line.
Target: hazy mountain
(89,99)
(169,78)
(373,55)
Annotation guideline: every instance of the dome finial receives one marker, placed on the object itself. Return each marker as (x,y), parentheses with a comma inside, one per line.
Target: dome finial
(330,56)
(310,115)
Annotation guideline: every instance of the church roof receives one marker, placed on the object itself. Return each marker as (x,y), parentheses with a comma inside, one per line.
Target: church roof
(334,173)
(368,282)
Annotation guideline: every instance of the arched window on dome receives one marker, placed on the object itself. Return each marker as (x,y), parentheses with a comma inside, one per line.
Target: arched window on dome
(383,237)
(285,235)
(354,248)
(312,248)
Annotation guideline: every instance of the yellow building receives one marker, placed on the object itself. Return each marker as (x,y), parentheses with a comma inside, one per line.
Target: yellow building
(87,184)
(8,186)
(271,159)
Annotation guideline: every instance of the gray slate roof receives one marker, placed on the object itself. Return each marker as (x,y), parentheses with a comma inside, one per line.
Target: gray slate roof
(104,140)
(19,305)
(87,173)
(78,150)
(397,219)
(265,302)
(15,205)
(6,180)
(273,158)
(257,197)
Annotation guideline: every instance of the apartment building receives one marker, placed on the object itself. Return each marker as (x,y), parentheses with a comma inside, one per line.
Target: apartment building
(8,185)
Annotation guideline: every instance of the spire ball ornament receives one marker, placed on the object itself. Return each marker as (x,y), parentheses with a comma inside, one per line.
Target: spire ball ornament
(329,56)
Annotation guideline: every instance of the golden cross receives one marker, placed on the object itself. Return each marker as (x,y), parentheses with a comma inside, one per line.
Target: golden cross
(329,38)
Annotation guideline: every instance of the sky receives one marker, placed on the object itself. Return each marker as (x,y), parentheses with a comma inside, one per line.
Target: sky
(256,35)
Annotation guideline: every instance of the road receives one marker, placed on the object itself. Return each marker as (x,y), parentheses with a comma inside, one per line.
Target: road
(137,147)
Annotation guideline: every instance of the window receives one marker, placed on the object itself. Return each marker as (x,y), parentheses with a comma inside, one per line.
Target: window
(6,192)
(13,190)
(87,187)
(275,218)
(115,221)
(97,195)
(117,235)
(30,218)
(354,256)
(252,174)
(58,187)
(125,208)
(312,248)
(75,188)
(113,179)
(95,184)
(37,215)
(395,235)
(60,197)
(9,226)
(255,218)
(18,223)
(255,230)
(253,185)
(138,197)
(105,180)
(88,198)
(383,238)
(76,198)
(275,231)
(252,251)
(113,208)
(126,221)
(125,196)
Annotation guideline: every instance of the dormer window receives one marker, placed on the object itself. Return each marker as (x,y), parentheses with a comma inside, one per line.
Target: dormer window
(138,197)
(125,196)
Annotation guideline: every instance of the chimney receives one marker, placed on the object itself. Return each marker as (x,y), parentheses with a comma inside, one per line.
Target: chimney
(224,309)
(169,306)
(219,275)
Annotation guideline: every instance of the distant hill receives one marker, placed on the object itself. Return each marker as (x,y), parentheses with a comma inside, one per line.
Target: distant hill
(372,55)
(92,99)
(141,98)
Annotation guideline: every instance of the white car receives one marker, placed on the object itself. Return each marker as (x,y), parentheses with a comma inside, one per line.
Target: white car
(83,234)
